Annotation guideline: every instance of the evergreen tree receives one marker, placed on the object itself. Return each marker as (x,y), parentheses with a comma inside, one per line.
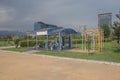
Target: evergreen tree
(116,29)
(106,30)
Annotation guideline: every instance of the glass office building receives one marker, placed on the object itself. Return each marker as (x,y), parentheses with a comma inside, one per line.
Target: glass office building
(105,18)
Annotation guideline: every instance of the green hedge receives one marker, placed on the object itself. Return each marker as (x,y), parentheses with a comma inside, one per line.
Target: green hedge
(32,43)
(107,40)
(79,41)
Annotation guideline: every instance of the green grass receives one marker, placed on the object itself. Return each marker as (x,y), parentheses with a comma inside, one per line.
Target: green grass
(6,43)
(21,49)
(110,53)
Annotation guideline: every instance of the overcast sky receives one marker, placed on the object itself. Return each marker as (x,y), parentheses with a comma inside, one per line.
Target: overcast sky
(21,14)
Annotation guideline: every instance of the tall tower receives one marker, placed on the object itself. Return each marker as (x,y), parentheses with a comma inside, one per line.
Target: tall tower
(104,18)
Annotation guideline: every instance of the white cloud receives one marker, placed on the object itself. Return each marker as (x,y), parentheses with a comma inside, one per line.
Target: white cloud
(23,13)
(6,14)
(4,29)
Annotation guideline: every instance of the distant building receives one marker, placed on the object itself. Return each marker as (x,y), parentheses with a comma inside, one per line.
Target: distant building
(41,25)
(105,18)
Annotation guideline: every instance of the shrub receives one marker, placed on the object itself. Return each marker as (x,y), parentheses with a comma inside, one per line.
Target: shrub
(79,41)
(32,43)
(107,40)
(17,42)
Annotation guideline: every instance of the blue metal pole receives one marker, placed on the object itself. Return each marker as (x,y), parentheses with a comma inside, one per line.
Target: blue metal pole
(69,42)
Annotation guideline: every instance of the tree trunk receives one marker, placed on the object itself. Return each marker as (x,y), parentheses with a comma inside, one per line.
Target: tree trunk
(118,42)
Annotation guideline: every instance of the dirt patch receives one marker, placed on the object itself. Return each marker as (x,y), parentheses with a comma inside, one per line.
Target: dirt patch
(28,67)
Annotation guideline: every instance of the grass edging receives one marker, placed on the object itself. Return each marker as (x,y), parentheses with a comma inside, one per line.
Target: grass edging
(98,57)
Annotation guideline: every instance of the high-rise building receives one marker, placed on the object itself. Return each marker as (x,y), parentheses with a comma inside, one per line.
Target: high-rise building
(41,25)
(105,18)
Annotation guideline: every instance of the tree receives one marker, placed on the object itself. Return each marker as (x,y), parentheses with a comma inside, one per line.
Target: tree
(88,41)
(116,29)
(106,30)
(17,42)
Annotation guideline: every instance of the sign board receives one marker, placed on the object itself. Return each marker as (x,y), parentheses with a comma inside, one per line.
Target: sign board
(42,32)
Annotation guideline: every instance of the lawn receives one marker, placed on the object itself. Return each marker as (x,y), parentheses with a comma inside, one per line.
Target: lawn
(110,53)
(6,43)
(20,49)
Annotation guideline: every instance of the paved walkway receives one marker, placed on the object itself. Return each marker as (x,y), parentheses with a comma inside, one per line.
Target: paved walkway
(30,52)
(4,47)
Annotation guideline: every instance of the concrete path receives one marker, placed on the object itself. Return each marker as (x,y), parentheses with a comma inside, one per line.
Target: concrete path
(4,47)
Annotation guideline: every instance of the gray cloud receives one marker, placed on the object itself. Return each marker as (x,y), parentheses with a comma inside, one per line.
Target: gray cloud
(21,14)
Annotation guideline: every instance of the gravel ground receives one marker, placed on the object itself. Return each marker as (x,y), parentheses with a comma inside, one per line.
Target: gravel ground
(29,67)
